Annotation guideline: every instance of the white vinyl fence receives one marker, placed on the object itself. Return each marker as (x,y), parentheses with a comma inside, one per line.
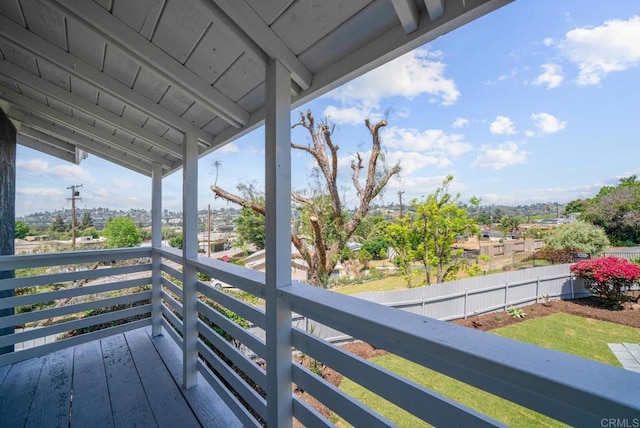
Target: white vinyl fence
(467,297)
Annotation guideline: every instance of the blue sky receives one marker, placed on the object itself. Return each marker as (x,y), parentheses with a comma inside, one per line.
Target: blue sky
(536,102)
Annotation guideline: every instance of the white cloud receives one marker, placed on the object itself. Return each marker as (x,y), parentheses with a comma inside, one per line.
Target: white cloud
(598,51)
(40,166)
(502,125)
(432,141)
(500,156)
(54,194)
(548,41)
(228,148)
(348,115)
(551,76)
(121,184)
(460,122)
(102,193)
(547,123)
(419,72)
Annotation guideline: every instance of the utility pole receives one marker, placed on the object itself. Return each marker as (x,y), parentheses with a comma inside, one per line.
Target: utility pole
(209,230)
(75,195)
(400,192)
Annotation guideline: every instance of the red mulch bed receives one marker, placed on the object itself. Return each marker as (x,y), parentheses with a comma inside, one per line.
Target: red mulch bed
(591,307)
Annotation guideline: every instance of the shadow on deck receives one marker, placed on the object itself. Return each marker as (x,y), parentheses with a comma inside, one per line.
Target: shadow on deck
(128,379)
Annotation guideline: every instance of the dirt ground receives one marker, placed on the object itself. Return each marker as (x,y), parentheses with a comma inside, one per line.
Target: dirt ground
(588,308)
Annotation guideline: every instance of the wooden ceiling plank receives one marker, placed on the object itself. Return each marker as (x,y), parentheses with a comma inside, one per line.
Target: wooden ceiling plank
(76,102)
(146,53)
(78,68)
(80,126)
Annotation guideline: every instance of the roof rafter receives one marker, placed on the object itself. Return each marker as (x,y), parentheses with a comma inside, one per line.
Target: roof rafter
(78,125)
(78,140)
(44,144)
(80,69)
(78,103)
(253,25)
(407,12)
(121,35)
(435,8)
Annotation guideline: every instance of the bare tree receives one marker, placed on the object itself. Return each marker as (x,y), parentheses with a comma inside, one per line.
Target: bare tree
(329,228)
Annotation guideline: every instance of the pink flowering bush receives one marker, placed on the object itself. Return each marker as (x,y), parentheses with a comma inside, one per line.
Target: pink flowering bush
(608,277)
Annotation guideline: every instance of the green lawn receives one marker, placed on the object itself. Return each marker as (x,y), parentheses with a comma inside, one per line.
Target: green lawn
(389,283)
(576,335)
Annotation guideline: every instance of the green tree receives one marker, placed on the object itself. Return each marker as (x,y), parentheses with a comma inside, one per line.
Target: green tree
(617,211)
(176,242)
(86,221)
(509,224)
(58,224)
(439,219)
(21,230)
(578,236)
(376,245)
(121,232)
(577,206)
(401,237)
(364,257)
(250,224)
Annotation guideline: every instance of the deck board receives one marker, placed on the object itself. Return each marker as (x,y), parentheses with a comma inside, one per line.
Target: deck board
(168,405)
(18,390)
(91,404)
(128,401)
(53,393)
(128,379)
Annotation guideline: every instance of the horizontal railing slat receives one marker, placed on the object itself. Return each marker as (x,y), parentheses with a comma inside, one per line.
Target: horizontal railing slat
(307,415)
(12,339)
(23,261)
(247,366)
(236,331)
(565,387)
(235,381)
(251,281)
(15,320)
(31,281)
(37,351)
(172,302)
(252,314)
(172,318)
(175,273)
(340,402)
(416,399)
(171,331)
(64,293)
(168,284)
(230,400)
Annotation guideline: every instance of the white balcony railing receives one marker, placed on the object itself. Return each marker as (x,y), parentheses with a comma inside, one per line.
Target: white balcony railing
(568,388)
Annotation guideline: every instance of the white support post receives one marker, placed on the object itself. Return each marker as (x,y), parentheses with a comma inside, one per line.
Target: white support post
(156,243)
(278,243)
(189,252)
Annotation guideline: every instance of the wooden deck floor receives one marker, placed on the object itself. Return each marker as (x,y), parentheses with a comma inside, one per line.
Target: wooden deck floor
(124,380)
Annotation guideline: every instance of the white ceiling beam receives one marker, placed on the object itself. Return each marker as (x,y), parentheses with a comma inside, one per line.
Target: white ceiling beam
(435,8)
(124,37)
(81,70)
(80,141)
(51,149)
(78,103)
(408,13)
(80,126)
(253,25)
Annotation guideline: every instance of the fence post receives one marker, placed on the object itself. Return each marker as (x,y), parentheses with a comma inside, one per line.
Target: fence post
(466,295)
(537,288)
(424,303)
(571,282)
(506,295)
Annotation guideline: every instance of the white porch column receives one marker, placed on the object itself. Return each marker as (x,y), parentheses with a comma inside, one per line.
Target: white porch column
(189,252)
(278,243)
(156,243)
